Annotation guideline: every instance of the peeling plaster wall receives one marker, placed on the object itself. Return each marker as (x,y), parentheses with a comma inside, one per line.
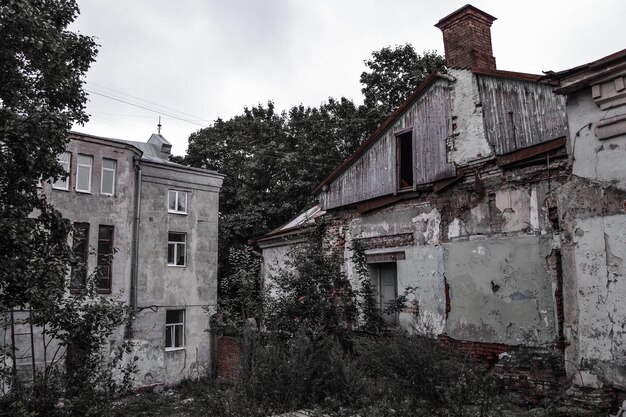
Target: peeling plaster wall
(593,214)
(595,159)
(500,291)
(422,267)
(600,269)
(468,141)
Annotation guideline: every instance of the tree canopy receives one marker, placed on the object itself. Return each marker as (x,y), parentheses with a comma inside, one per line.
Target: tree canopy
(393,73)
(41,69)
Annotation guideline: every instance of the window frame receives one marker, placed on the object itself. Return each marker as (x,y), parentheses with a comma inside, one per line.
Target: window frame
(78,170)
(177,194)
(85,255)
(171,327)
(100,257)
(175,244)
(401,136)
(103,169)
(67,170)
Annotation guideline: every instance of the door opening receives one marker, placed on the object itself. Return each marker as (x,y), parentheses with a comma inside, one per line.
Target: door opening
(385,281)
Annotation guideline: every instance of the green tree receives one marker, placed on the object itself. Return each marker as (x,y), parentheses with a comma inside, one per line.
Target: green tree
(394,73)
(272,162)
(42,66)
(41,69)
(312,292)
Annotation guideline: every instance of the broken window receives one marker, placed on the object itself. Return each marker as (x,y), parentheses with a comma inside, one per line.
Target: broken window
(105,257)
(405,161)
(83,173)
(80,247)
(177,202)
(107,184)
(176,244)
(174,329)
(63,183)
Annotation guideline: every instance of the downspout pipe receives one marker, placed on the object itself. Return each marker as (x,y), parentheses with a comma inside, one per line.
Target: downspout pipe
(134,273)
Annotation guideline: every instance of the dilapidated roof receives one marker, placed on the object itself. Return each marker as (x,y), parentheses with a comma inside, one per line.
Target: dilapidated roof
(581,76)
(305,218)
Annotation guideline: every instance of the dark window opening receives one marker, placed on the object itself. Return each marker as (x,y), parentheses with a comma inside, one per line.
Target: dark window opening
(405,158)
(80,247)
(105,257)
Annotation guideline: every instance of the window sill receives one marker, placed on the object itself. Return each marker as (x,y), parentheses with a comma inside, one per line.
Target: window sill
(184,213)
(176,266)
(60,189)
(175,349)
(106,195)
(83,191)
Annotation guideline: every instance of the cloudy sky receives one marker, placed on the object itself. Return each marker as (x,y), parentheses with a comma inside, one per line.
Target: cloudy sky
(192,61)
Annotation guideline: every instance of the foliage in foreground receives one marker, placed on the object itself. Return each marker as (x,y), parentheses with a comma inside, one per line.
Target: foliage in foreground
(42,67)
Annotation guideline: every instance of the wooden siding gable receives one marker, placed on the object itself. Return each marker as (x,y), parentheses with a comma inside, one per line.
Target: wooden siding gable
(375,172)
(518,113)
(432,127)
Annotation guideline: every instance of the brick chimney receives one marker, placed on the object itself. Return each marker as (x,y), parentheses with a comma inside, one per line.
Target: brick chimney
(467,38)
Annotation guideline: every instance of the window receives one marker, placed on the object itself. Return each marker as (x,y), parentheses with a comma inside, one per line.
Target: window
(83,173)
(177,202)
(105,257)
(80,247)
(384,278)
(176,243)
(63,183)
(174,329)
(107,183)
(405,161)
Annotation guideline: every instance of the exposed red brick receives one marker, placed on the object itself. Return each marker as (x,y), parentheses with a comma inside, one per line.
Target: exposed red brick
(229,354)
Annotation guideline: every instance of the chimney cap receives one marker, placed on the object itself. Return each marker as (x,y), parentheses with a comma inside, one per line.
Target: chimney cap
(467,9)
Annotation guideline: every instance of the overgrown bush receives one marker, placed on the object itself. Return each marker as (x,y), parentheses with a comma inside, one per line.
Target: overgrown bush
(80,378)
(311,291)
(325,347)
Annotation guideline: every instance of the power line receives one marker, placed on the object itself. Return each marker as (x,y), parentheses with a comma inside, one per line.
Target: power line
(145,108)
(126,96)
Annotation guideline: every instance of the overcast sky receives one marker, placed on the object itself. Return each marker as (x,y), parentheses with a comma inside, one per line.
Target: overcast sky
(198,60)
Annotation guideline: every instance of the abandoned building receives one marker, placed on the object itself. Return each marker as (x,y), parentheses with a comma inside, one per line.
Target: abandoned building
(160,221)
(592,209)
(500,197)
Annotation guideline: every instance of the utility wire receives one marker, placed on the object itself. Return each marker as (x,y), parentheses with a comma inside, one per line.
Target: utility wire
(145,108)
(126,96)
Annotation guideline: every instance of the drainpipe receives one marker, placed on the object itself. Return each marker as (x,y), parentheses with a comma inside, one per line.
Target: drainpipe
(135,246)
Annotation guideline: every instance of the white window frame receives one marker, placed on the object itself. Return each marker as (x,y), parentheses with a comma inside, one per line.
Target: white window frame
(114,170)
(171,327)
(84,166)
(66,165)
(176,243)
(177,194)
